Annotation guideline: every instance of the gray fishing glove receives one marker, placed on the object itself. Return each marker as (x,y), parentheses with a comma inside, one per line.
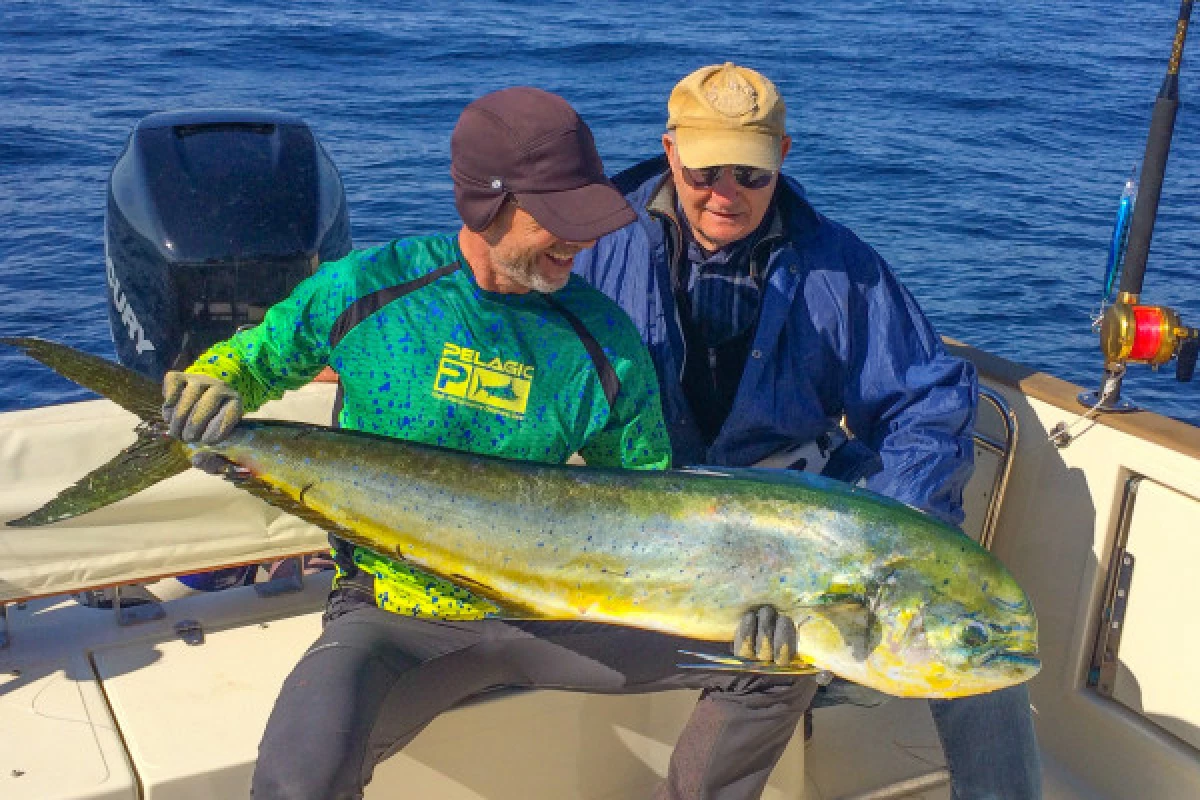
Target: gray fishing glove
(765,635)
(200,408)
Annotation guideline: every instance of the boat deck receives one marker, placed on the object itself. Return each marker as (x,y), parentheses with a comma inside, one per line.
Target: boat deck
(92,709)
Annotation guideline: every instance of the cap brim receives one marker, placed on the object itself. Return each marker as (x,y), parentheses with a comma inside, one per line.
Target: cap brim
(699,148)
(579,215)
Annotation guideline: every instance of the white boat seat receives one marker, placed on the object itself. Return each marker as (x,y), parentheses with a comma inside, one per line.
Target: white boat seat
(190,715)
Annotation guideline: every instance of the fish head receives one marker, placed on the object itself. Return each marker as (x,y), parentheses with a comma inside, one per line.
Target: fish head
(952,636)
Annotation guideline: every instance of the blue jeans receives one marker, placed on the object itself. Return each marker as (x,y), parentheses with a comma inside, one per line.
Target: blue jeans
(989,742)
(991,749)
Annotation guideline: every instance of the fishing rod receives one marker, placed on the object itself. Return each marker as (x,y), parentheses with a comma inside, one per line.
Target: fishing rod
(1132,332)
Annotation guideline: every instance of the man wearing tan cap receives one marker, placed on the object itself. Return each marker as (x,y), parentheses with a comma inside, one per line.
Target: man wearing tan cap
(769,324)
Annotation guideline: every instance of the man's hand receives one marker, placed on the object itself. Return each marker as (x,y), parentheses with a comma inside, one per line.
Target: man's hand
(200,408)
(765,635)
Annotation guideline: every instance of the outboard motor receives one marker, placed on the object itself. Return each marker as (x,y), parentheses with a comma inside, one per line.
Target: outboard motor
(213,216)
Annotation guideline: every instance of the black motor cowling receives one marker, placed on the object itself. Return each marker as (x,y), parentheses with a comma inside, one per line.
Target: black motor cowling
(212,217)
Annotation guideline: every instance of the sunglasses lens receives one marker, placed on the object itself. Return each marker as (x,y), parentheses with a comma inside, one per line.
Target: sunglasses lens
(704,177)
(746,177)
(752,177)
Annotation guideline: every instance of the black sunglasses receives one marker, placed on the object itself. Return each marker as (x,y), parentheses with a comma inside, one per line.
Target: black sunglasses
(746,177)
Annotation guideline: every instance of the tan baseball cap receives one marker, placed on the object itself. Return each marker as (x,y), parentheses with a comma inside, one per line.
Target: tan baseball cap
(726,114)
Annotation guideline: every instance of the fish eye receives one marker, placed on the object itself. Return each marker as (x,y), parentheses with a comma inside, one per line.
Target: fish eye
(973,634)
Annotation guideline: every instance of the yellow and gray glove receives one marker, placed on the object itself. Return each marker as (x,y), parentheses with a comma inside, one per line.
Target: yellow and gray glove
(765,635)
(200,408)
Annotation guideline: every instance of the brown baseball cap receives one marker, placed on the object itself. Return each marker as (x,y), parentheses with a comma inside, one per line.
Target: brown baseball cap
(532,145)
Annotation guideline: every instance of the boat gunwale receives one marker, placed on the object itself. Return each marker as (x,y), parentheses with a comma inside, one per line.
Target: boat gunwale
(1151,426)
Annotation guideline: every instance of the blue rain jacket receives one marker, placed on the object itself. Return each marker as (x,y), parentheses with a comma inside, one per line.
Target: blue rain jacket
(837,335)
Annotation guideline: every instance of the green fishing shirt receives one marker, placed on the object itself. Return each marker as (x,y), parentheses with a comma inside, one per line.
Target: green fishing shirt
(453,365)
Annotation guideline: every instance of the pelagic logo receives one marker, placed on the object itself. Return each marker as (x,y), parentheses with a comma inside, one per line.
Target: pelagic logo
(136,333)
(466,378)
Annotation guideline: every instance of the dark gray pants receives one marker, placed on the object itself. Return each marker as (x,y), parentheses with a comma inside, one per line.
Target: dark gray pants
(375,679)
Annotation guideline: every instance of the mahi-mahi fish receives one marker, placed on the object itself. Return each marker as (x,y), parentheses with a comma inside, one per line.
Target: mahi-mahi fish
(883,595)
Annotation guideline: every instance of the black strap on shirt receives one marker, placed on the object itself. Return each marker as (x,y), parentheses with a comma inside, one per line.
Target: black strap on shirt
(367,305)
(609,381)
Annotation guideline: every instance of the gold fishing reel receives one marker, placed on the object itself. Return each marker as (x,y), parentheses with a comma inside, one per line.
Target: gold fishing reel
(1143,334)
(1131,332)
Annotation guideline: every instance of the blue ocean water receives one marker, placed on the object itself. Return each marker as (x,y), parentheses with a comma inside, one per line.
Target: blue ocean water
(980,147)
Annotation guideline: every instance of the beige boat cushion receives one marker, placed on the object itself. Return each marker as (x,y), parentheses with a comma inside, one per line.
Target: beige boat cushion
(188,523)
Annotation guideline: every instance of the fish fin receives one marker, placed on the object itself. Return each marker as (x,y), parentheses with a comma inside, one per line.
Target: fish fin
(722,663)
(854,619)
(150,459)
(130,390)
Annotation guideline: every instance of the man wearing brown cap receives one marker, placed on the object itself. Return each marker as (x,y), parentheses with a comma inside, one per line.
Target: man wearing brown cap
(483,341)
(769,324)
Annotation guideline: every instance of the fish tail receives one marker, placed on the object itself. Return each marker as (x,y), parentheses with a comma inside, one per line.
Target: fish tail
(130,390)
(152,458)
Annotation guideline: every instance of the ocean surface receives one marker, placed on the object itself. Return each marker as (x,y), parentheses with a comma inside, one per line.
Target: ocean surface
(980,147)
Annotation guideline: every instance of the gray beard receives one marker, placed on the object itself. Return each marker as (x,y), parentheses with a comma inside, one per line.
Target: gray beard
(523,270)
